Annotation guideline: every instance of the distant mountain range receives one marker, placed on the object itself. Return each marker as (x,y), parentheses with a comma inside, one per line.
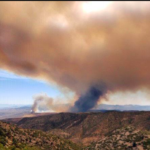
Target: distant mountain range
(14,111)
(17,111)
(124,107)
(99,107)
(4,106)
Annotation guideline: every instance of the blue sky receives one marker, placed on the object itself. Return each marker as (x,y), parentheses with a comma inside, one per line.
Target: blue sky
(19,90)
(16,89)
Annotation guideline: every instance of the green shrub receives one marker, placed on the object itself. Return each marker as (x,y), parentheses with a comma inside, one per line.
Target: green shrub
(3,140)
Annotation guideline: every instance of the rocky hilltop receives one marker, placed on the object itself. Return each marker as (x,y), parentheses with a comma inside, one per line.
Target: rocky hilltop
(127,138)
(86,127)
(16,138)
(95,130)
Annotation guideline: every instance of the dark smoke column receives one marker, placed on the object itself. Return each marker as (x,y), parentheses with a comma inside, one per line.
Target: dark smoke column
(88,100)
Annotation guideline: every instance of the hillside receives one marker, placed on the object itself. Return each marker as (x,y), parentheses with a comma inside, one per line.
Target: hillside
(14,138)
(86,127)
(127,138)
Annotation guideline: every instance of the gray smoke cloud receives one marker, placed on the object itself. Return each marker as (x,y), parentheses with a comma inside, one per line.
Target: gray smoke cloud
(44,103)
(59,42)
(41,102)
(89,99)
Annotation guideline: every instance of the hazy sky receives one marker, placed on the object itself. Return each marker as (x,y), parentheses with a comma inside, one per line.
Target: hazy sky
(63,48)
(20,90)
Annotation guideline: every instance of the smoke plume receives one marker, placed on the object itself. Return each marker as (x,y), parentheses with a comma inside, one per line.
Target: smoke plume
(88,100)
(44,103)
(41,101)
(61,43)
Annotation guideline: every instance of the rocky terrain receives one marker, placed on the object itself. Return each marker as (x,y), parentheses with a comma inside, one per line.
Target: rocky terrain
(96,131)
(127,138)
(15,138)
(86,127)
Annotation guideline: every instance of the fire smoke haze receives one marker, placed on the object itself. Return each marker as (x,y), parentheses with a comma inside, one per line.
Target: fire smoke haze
(42,102)
(76,46)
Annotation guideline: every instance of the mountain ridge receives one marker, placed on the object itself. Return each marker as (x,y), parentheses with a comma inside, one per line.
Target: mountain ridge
(86,127)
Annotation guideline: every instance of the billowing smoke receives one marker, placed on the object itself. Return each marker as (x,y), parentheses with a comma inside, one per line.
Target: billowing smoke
(44,103)
(89,99)
(61,43)
(41,102)
(85,102)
